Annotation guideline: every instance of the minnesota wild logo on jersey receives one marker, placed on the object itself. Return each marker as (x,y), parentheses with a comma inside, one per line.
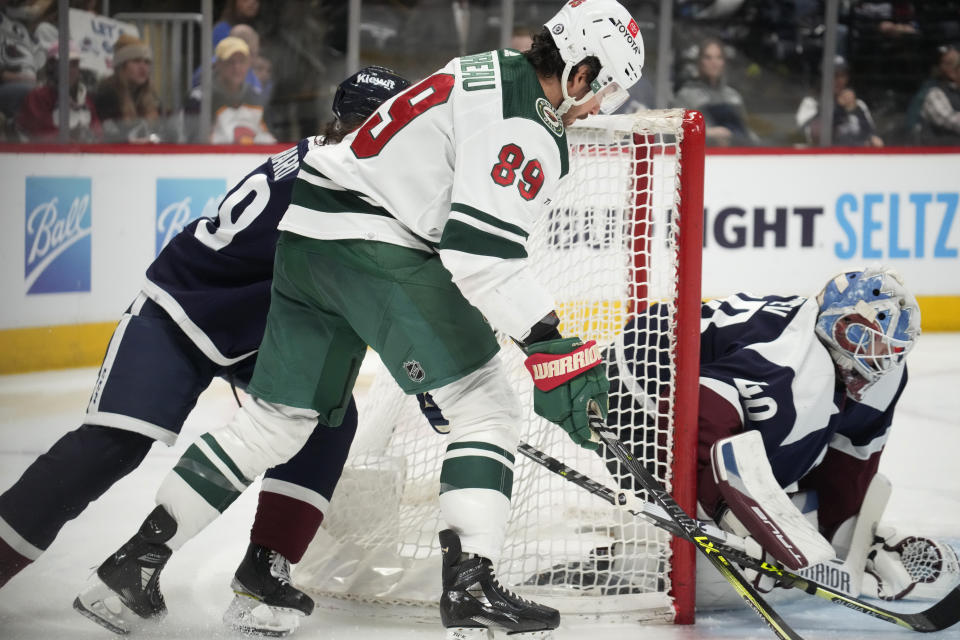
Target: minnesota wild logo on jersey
(549,116)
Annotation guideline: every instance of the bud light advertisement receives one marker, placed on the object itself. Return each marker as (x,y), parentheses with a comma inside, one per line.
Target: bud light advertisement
(180,201)
(57,235)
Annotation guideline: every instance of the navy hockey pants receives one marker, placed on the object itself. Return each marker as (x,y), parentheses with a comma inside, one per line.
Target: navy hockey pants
(150,380)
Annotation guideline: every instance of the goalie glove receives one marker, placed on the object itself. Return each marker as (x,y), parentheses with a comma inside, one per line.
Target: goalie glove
(912,567)
(566,380)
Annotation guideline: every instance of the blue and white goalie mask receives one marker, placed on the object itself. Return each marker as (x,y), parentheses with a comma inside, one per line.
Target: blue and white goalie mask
(869,322)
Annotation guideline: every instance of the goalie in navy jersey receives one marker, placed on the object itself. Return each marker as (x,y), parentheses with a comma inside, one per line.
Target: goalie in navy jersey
(201,313)
(797,396)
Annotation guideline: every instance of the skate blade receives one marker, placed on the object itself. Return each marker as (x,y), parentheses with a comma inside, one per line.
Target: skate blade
(102,605)
(250,616)
(484,633)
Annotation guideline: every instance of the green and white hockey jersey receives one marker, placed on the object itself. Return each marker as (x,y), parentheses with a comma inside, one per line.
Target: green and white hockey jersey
(461,163)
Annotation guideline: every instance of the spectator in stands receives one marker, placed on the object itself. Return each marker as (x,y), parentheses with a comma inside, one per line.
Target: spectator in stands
(21,58)
(946,56)
(722,106)
(522,38)
(886,48)
(940,113)
(852,122)
(127,104)
(234,12)
(891,19)
(39,114)
(262,71)
(249,35)
(236,107)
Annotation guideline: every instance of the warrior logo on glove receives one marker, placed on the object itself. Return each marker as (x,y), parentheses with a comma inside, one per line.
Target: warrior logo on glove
(550,371)
(567,384)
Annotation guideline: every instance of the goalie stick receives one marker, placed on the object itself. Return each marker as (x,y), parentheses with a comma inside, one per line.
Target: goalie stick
(941,615)
(688,529)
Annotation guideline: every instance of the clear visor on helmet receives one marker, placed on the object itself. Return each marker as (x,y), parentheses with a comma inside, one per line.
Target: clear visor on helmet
(611,96)
(872,350)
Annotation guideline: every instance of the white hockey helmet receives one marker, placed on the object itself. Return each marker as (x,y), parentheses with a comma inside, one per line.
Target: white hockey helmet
(601,28)
(869,322)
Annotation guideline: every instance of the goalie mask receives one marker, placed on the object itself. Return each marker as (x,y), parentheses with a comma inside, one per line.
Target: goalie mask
(601,28)
(869,322)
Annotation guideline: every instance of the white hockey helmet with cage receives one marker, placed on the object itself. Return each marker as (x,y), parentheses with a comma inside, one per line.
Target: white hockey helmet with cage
(601,28)
(869,322)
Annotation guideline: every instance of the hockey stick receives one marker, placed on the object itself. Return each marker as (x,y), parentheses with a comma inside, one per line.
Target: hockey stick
(941,615)
(689,530)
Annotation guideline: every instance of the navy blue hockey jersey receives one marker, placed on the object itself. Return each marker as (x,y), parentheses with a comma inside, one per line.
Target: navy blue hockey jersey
(762,367)
(214,277)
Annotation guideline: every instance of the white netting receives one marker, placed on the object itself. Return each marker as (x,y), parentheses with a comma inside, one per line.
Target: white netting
(607,248)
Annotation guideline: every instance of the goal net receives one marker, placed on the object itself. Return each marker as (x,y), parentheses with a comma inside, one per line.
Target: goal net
(623,233)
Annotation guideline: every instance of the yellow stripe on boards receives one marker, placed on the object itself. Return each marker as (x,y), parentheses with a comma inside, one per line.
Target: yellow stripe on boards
(56,347)
(939,313)
(83,345)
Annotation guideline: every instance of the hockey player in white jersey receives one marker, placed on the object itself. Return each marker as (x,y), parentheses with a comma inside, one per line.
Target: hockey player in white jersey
(410,237)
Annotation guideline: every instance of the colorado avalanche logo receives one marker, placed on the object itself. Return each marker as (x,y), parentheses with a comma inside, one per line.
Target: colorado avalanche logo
(852,332)
(864,340)
(549,117)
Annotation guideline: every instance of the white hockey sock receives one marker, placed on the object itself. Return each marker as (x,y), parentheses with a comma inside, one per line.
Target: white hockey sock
(219,465)
(476,479)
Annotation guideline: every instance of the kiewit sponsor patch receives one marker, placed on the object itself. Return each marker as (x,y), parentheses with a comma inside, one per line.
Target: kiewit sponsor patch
(57,229)
(181,201)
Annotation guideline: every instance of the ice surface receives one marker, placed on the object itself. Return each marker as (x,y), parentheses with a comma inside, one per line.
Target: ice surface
(922,460)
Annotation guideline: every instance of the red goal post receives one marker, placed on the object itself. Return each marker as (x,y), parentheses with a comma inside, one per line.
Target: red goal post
(623,232)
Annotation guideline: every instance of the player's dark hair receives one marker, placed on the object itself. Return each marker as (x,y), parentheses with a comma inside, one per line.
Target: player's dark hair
(336,130)
(333,132)
(547,61)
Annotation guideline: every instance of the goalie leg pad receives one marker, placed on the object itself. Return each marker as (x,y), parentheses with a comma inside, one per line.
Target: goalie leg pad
(745,479)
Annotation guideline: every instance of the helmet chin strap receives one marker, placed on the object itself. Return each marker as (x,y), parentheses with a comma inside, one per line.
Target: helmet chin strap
(568,100)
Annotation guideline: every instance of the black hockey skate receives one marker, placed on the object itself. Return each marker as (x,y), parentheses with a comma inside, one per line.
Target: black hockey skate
(125,591)
(265,603)
(473,603)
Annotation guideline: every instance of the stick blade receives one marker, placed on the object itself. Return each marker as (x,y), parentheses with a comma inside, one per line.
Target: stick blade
(942,615)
